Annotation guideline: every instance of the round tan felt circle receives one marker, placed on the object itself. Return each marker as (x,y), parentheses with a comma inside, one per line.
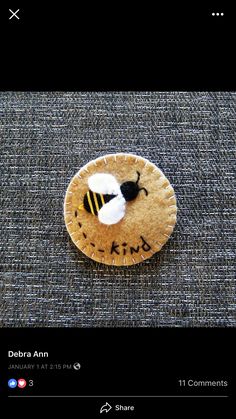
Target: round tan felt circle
(148,221)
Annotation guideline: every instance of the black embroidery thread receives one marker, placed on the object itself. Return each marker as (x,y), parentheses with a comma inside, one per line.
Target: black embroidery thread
(145,246)
(124,250)
(132,249)
(114,247)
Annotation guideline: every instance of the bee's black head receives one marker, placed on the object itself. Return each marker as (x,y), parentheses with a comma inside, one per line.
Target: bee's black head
(130,190)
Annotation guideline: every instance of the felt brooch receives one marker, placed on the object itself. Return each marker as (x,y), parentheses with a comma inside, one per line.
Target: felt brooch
(120,209)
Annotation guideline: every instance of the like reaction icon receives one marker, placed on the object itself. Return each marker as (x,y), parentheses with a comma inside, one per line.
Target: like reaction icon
(12,383)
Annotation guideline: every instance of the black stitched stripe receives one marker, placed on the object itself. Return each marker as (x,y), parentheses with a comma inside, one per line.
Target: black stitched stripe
(87,204)
(106,198)
(100,204)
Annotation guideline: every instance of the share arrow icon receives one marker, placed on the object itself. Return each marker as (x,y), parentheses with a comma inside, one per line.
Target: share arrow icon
(105,408)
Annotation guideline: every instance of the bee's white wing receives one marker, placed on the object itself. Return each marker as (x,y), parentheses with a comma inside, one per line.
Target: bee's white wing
(113,211)
(104,183)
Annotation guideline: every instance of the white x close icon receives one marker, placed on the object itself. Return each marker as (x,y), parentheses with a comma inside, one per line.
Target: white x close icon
(14,14)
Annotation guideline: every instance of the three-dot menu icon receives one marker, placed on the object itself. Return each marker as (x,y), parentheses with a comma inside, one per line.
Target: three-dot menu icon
(217,14)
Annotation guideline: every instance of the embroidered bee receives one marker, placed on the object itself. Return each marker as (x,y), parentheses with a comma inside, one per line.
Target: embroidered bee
(107,199)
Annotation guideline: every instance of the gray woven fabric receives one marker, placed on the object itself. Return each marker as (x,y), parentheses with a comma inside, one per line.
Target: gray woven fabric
(46,138)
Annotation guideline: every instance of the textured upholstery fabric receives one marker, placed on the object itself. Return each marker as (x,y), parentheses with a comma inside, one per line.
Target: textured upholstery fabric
(45,137)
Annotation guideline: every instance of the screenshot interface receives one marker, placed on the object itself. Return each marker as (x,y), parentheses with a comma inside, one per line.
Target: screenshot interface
(117,215)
